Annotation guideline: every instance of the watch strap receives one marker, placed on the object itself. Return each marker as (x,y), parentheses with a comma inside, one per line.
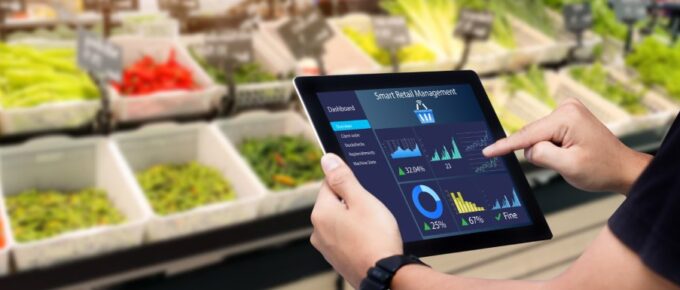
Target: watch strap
(380,276)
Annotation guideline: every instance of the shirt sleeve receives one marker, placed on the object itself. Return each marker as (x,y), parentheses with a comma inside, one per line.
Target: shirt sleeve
(648,222)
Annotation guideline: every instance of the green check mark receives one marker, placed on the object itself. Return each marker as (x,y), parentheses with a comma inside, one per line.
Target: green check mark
(498,217)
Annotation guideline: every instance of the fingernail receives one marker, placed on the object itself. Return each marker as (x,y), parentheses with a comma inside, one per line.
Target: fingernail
(329,162)
(488,149)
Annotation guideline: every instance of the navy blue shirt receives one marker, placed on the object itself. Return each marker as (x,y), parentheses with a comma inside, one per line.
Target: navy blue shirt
(648,222)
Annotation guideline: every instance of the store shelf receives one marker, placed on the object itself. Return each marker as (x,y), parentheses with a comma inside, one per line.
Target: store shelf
(157,258)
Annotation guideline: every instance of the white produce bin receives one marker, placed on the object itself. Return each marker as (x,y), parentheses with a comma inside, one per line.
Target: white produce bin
(47,116)
(340,57)
(533,46)
(253,95)
(562,86)
(66,165)
(661,111)
(259,124)
(177,144)
(164,103)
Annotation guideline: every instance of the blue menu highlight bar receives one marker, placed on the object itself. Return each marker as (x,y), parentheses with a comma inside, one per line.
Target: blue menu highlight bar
(350,125)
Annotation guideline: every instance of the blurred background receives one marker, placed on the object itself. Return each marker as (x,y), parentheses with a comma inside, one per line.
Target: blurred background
(159,144)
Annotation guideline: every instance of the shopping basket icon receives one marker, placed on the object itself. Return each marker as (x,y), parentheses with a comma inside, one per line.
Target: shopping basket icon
(425,116)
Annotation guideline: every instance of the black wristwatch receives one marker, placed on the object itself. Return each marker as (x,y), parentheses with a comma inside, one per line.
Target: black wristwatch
(380,276)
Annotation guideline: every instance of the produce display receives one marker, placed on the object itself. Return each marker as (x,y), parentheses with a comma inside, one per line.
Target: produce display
(173,188)
(283,162)
(3,240)
(40,214)
(146,76)
(533,83)
(367,42)
(246,73)
(595,78)
(30,77)
(657,64)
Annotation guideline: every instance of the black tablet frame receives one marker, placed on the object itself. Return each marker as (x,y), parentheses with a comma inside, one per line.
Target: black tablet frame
(307,89)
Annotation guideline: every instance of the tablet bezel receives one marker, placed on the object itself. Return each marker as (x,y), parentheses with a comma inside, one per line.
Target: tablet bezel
(307,89)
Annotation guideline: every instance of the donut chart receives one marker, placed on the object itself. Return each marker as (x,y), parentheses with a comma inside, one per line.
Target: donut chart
(415,196)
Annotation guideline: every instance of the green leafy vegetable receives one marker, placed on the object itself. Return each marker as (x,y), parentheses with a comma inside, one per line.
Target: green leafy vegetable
(31,77)
(175,188)
(283,162)
(36,215)
(246,73)
(533,83)
(596,79)
(657,64)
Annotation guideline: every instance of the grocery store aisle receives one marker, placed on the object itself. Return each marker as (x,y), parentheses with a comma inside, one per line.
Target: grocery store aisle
(573,228)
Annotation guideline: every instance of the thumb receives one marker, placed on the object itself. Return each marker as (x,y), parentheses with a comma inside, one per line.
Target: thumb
(340,178)
(546,154)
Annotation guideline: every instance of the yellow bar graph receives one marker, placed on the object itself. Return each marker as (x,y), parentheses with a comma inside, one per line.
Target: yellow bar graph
(464,206)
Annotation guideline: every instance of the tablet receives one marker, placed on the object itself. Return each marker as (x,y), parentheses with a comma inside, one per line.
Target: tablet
(415,140)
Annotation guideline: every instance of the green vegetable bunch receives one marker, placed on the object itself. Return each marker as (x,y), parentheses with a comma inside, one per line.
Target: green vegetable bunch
(36,215)
(533,83)
(595,78)
(175,188)
(283,162)
(368,43)
(657,64)
(246,73)
(31,77)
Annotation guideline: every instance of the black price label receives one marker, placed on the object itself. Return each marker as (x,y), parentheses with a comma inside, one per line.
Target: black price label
(306,34)
(630,10)
(391,32)
(578,17)
(99,57)
(230,46)
(474,24)
(117,5)
(170,5)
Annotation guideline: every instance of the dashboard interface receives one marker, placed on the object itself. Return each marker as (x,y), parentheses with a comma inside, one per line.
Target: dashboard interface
(418,150)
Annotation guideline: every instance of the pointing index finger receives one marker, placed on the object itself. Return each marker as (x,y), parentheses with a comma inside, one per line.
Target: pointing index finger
(541,130)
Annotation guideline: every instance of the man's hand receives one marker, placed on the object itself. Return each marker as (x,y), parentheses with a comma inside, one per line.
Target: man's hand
(352,228)
(573,142)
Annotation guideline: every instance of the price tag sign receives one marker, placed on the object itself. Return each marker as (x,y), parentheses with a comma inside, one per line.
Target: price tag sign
(234,46)
(391,32)
(99,56)
(117,5)
(630,11)
(175,6)
(306,34)
(474,24)
(578,17)
(7,6)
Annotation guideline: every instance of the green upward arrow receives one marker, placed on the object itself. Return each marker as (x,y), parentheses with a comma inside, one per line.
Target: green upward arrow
(401,172)
(426,227)
(463,222)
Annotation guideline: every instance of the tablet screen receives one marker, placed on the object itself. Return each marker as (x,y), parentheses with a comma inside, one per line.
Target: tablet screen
(419,150)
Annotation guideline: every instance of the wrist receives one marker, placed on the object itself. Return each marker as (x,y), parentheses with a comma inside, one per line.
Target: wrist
(406,274)
(381,275)
(631,168)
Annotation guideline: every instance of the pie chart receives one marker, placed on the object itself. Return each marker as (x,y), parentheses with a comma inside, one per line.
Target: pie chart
(424,189)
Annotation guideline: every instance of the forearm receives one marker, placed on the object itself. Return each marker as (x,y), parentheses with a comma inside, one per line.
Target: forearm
(421,277)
